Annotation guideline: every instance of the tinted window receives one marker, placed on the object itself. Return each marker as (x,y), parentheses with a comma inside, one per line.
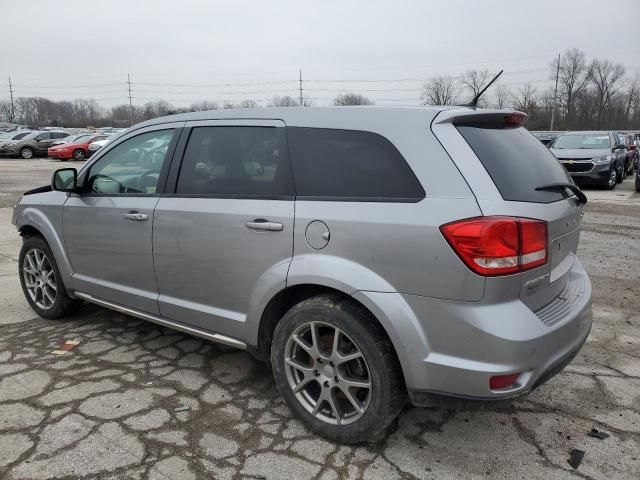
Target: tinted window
(349,164)
(59,135)
(133,166)
(236,161)
(20,135)
(517,162)
(43,136)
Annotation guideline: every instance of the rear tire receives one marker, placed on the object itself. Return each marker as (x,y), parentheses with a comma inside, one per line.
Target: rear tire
(41,280)
(350,401)
(26,153)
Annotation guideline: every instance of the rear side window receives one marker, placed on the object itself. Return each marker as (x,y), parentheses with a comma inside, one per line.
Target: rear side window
(517,162)
(236,161)
(332,164)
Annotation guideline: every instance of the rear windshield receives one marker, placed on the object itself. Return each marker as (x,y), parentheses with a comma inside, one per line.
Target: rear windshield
(586,142)
(517,162)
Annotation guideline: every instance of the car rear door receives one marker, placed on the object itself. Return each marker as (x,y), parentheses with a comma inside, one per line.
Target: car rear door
(504,165)
(224,237)
(108,228)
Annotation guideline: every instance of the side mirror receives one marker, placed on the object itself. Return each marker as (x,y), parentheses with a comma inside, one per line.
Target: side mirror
(65,180)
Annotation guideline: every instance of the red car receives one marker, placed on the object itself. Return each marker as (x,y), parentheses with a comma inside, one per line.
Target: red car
(77,148)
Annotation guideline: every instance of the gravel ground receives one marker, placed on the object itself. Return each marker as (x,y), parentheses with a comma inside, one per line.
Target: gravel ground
(110,407)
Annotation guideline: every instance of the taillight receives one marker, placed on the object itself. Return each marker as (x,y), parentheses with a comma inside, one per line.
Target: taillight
(498,245)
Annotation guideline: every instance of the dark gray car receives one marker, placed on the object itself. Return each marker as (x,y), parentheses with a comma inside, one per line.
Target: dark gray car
(371,255)
(592,158)
(33,144)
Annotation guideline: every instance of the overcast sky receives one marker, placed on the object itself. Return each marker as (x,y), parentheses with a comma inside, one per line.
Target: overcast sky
(85,48)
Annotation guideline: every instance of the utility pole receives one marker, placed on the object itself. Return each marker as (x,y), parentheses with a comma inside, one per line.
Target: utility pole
(301,104)
(555,95)
(130,103)
(11,95)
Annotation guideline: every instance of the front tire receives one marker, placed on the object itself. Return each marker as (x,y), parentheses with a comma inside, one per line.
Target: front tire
(41,280)
(613,179)
(337,369)
(620,174)
(26,153)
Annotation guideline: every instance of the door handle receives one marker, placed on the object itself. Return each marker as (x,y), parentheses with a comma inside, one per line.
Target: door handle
(136,217)
(262,224)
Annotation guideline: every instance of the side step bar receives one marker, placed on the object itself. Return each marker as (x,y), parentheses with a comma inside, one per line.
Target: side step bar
(214,337)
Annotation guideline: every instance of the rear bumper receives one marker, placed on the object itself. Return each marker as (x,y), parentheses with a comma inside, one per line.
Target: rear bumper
(468,343)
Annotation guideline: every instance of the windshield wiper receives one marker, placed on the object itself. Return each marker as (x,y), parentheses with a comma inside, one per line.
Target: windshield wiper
(563,187)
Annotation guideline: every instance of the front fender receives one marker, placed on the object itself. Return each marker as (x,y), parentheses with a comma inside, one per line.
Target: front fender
(47,219)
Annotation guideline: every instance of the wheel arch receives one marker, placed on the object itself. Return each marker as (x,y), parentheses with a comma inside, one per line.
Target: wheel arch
(32,221)
(393,316)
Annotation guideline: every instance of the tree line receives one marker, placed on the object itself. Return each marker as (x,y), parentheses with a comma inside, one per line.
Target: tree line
(591,94)
(41,112)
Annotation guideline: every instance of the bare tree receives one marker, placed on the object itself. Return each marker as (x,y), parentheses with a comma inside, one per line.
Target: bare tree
(440,90)
(228,105)
(248,103)
(605,76)
(203,106)
(285,101)
(5,111)
(502,95)
(475,81)
(574,76)
(525,98)
(633,92)
(346,99)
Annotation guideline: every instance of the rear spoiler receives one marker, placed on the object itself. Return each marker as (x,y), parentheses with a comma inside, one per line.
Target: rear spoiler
(482,118)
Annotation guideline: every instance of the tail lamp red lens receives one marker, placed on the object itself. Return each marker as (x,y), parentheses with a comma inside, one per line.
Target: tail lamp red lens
(503,381)
(498,245)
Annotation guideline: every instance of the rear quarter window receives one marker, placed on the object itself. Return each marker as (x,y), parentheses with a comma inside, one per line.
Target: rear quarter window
(349,165)
(517,162)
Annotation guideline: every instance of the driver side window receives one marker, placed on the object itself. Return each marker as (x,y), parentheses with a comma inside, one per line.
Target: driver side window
(132,167)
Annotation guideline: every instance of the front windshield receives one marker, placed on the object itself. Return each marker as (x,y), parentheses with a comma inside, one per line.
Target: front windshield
(586,141)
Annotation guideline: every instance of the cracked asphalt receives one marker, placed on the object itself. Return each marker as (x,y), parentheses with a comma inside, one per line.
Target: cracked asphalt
(135,401)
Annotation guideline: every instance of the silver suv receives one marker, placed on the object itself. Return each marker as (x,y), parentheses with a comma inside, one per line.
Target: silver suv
(369,254)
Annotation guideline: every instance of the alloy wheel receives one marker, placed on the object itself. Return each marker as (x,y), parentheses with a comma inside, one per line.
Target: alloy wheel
(328,373)
(39,278)
(612,178)
(26,153)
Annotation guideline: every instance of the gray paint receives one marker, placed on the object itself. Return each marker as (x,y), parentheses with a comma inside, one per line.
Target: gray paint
(451,328)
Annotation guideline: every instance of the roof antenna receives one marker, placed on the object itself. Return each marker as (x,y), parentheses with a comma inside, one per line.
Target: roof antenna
(474,103)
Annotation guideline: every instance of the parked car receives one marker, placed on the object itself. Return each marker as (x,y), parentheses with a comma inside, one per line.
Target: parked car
(546,138)
(10,137)
(77,148)
(33,144)
(631,153)
(637,179)
(369,259)
(96,145)
(592,158)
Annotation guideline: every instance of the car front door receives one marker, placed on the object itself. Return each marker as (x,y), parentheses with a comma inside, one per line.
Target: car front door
(43,142)
(225,236)
(107,227)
